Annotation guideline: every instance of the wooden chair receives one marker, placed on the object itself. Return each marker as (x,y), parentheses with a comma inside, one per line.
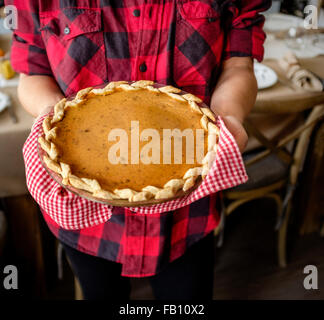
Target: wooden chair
(311,207)
(77,288)
(273,173)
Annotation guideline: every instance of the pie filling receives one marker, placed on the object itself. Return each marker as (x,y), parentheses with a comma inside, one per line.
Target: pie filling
(84,138)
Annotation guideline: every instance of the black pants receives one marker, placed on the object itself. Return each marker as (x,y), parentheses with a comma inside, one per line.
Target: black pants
(189,277)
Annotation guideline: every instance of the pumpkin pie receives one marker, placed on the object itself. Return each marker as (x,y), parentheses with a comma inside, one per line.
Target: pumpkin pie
(119,142)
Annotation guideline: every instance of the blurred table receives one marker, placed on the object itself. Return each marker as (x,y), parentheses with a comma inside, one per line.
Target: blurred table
(12,138)
(281,98)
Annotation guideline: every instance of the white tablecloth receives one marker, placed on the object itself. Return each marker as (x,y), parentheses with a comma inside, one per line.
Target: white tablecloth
(12,137)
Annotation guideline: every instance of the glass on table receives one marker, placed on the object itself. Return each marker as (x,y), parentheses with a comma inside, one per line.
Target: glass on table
(295,37)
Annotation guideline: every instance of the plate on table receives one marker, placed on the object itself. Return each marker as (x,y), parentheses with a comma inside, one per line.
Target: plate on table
(265,76)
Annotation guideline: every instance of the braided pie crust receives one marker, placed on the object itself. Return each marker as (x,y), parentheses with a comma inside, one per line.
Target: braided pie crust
(171,188)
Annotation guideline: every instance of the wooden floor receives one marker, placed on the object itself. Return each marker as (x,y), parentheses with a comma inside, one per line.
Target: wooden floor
(246,266)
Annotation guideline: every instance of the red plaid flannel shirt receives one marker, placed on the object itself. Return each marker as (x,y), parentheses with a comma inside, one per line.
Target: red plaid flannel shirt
(87,42)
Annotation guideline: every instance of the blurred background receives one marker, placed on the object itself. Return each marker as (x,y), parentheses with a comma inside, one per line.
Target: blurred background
(272,227)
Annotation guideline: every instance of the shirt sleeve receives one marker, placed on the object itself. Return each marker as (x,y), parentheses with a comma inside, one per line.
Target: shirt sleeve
(28,54)
(245,35)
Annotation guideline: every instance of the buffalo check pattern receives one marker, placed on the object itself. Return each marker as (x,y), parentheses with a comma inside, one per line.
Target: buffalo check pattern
(88,42)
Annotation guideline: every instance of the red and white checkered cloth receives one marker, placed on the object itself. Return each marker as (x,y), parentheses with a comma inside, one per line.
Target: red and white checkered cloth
(73,212)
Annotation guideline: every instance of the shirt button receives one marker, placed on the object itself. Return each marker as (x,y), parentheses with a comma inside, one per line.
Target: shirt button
(143,67)
(136,13)
(66,30)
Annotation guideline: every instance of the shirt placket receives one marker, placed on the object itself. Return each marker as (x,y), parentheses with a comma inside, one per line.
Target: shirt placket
(133,243)
(150,21)
(144,68)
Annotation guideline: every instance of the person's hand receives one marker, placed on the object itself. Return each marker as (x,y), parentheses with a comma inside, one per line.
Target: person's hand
(237,130)
(235,127)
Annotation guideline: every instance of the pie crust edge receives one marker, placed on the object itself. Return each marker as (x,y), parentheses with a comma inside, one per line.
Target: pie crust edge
(171,188)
